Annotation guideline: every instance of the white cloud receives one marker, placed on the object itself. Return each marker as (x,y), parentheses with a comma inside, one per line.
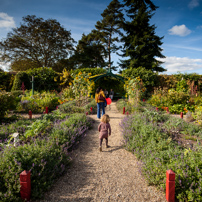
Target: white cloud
(178,64)
(193,4)
(6,21)
(180,30)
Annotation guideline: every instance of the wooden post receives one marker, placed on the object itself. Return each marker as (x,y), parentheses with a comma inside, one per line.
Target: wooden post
(170,186)
(30,114)
(25,182)
(181,115)
(167,109)
(124,109)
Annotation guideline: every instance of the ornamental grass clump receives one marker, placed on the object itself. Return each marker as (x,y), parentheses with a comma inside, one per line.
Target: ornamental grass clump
(151,141)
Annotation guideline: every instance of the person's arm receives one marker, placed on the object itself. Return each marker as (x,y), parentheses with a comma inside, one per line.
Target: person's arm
(103,94)
(96,98)
(99,127)
(109,129)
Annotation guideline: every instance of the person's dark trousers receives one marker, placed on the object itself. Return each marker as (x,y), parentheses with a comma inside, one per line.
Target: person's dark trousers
(100,105)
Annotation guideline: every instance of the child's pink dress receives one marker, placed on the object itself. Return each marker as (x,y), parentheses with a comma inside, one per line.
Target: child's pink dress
(103,129)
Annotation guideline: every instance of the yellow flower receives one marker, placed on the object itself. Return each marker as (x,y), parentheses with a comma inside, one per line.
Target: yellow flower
(70,83)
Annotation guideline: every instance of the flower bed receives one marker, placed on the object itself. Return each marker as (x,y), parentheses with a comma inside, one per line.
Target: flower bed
(153,137)
(43,148)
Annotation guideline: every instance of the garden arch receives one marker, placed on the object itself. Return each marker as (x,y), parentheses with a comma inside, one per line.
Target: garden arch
(108,74)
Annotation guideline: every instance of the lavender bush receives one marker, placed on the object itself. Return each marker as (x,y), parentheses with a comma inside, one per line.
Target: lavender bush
(150,140)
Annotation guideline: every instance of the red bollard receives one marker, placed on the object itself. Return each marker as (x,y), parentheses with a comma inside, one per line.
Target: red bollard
(124,109)
(167,109)
(25,182)
(170,186)
(56,107)
(143,100)
(181,115)
(86,113)
(46,110)
(157,109)
(91,110)
(30,114)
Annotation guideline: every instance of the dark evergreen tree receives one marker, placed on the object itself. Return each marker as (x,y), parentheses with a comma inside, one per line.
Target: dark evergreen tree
(141,44)
(90,52)
(108,29)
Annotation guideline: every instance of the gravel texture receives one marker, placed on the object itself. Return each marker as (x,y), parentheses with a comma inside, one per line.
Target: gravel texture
(107,176)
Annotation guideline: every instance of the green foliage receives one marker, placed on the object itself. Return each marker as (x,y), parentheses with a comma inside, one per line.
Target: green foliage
(19,78)
(44,78)
(8,102)
(108,29)
(41,41)
(70,107)
(93,71)
(182,86)
(148,77)
(46,154)
(38,102)
(6,81)
(141,44)
(152,143)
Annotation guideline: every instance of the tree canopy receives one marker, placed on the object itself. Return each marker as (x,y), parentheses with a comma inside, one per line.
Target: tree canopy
(43,42)
(109,28)
(141,44)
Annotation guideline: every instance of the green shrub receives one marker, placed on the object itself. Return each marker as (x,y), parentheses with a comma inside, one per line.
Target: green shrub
(152,143)
(6,81)
(70,107)
(19,78)
(8,102)
(38,102)
(44,79)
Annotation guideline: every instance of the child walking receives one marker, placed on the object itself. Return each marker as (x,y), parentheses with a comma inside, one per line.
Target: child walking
(105,129)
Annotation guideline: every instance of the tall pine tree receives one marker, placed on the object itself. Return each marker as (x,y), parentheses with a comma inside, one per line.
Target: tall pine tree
(90,52)
(141,44)
(108,29)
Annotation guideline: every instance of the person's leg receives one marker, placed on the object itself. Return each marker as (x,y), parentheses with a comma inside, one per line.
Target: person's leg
(103,108)
(106,142)
(101,139)
(100,147)
(98,110)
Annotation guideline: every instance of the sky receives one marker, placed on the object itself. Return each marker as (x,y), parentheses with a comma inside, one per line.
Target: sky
(178,21)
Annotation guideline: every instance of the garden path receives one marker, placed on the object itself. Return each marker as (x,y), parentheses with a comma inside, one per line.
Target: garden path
(111,175)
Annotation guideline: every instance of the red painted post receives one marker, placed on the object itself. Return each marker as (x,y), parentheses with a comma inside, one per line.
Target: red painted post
(124,109)
(25,185)
(86,113)
(170,186)
(143,100)
(157,109)
(30,114)
(56,107)
(46,110)
(181,115)
(167,109)
(91,110)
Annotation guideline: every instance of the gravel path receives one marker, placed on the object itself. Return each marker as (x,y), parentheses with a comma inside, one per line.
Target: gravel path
(108,176)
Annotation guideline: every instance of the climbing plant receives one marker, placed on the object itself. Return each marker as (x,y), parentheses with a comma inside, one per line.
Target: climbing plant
(134,90)
(81,87)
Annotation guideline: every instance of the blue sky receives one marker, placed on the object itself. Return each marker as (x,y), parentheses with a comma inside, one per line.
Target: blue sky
(179,21)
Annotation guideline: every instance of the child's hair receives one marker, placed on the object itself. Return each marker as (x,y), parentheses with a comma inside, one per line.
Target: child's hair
(105,118)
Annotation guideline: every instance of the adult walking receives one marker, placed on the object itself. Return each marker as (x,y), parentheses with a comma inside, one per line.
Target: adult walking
(111,94)
(100,100)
